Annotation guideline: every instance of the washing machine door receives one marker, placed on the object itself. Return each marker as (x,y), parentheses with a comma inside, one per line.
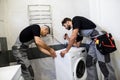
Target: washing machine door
(79,69)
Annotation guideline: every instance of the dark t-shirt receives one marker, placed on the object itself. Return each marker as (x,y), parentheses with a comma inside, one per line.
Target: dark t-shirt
(29,32)
(79,38)
(82,23)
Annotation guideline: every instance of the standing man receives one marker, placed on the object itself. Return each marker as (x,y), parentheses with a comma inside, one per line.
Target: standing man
(86,28)
(28,35)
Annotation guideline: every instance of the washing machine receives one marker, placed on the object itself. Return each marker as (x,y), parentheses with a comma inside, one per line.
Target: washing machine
(72,66)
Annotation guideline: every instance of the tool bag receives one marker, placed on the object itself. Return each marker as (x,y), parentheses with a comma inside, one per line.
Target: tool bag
(105,43)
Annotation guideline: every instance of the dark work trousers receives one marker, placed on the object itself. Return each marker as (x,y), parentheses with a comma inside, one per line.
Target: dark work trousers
(94,56)
(20,53)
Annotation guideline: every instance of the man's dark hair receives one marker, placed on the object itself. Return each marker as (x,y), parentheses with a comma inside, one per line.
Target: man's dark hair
(65,20)
(48,28)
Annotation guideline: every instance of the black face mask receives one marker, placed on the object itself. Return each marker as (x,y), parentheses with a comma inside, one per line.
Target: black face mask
(68,28)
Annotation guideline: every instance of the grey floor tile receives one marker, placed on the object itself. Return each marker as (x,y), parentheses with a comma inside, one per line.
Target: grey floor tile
(44,68)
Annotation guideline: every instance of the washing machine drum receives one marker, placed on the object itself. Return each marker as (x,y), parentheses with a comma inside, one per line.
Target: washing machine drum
(79,68)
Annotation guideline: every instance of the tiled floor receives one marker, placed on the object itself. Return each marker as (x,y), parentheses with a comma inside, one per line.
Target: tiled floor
(44,68)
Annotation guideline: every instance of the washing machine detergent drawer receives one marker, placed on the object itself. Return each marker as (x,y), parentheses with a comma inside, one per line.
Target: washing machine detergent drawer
(72,66)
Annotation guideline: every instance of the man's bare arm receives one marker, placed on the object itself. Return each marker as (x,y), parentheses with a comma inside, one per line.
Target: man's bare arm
(72,39)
